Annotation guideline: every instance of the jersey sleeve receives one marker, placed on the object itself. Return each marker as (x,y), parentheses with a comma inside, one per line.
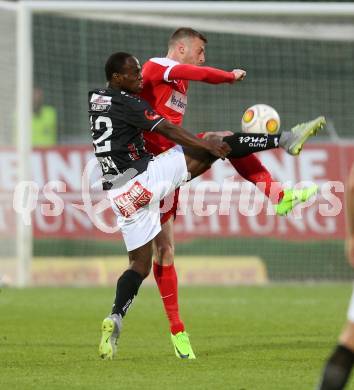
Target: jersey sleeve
(139,114)
(153,73)
(198,73)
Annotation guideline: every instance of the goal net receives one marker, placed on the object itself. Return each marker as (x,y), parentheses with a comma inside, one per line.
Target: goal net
(299,59)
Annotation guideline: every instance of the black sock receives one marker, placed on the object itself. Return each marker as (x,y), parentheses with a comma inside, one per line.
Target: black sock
(243,144)
(127,288)
(337,369)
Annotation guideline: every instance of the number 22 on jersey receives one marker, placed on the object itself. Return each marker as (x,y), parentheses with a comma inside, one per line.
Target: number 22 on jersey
(102,144)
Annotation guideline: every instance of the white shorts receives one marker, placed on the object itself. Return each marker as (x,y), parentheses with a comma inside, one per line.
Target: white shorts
(137,203)
(350,314)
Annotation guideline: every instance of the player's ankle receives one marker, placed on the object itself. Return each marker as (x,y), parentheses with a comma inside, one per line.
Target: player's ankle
(176,328)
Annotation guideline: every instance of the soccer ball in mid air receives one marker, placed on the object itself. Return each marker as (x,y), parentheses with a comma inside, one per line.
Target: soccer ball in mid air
(260,118)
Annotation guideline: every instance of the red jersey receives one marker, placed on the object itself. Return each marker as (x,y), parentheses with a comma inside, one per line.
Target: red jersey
(168,98)
(165,89)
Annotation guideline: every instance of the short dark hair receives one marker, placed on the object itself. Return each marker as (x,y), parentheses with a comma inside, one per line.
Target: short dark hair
(115,63)
(185,32)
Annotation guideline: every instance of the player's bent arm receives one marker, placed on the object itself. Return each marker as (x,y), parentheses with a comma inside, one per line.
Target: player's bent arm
(185,138)
(204,73)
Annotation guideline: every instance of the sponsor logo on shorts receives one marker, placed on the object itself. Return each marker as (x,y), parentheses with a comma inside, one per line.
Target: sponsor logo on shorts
(177,102)
(100,103)
(136,197)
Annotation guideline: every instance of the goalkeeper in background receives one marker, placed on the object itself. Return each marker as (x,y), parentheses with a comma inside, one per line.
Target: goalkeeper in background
(339,365)
(166,82)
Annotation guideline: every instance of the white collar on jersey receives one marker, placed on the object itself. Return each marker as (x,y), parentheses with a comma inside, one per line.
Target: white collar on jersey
(164,61)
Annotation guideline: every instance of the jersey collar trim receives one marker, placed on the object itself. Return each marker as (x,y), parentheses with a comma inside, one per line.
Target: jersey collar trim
(164,61)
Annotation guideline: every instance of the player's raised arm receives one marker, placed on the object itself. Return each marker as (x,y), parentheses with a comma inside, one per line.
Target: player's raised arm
(204,73)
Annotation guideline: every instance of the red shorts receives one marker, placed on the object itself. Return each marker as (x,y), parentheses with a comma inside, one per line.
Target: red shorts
(168,206)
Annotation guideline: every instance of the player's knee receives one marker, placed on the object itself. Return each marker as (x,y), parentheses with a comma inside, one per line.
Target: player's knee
(165,253)
(142,269)
(141,266)
(146,271)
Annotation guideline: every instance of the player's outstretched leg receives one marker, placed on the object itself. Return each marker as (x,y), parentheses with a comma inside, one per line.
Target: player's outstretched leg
(111,327)
(294,140)
(242,144)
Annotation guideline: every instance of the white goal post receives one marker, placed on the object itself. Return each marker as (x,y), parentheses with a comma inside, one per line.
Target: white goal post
(202,15)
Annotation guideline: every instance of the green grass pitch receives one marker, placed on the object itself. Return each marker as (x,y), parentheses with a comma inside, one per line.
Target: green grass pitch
(245,338)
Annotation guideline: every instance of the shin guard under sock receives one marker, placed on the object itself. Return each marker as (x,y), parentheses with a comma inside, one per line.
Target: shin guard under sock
(337,369)
(127,288)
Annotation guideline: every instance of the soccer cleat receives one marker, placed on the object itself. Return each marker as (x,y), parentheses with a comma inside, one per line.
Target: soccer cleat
(299,134)
(182,345)
(293,197)
(111,327)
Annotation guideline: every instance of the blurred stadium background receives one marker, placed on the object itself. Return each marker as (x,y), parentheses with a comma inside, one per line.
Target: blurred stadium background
(299,61)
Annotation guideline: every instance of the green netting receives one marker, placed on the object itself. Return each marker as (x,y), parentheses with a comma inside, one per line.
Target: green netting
(299,77)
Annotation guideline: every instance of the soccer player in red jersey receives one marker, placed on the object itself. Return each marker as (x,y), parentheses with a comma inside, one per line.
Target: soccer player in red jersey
(165,87)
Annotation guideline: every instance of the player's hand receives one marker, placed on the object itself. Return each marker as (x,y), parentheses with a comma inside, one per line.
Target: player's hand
(218,148)
(349,246)
(239,74)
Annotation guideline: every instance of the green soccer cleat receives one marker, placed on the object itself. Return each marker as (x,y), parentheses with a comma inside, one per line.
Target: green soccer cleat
(182,345)
(110,333)
(293,197)
(295,139)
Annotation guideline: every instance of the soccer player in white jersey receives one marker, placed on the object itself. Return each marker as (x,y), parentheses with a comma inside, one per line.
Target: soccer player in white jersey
(340,363)
(165,88)
(136,182)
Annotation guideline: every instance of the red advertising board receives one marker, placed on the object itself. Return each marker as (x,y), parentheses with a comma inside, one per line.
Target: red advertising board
(65,204)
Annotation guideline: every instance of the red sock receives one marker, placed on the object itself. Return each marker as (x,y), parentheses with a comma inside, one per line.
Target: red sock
(251,169)
(166,279)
